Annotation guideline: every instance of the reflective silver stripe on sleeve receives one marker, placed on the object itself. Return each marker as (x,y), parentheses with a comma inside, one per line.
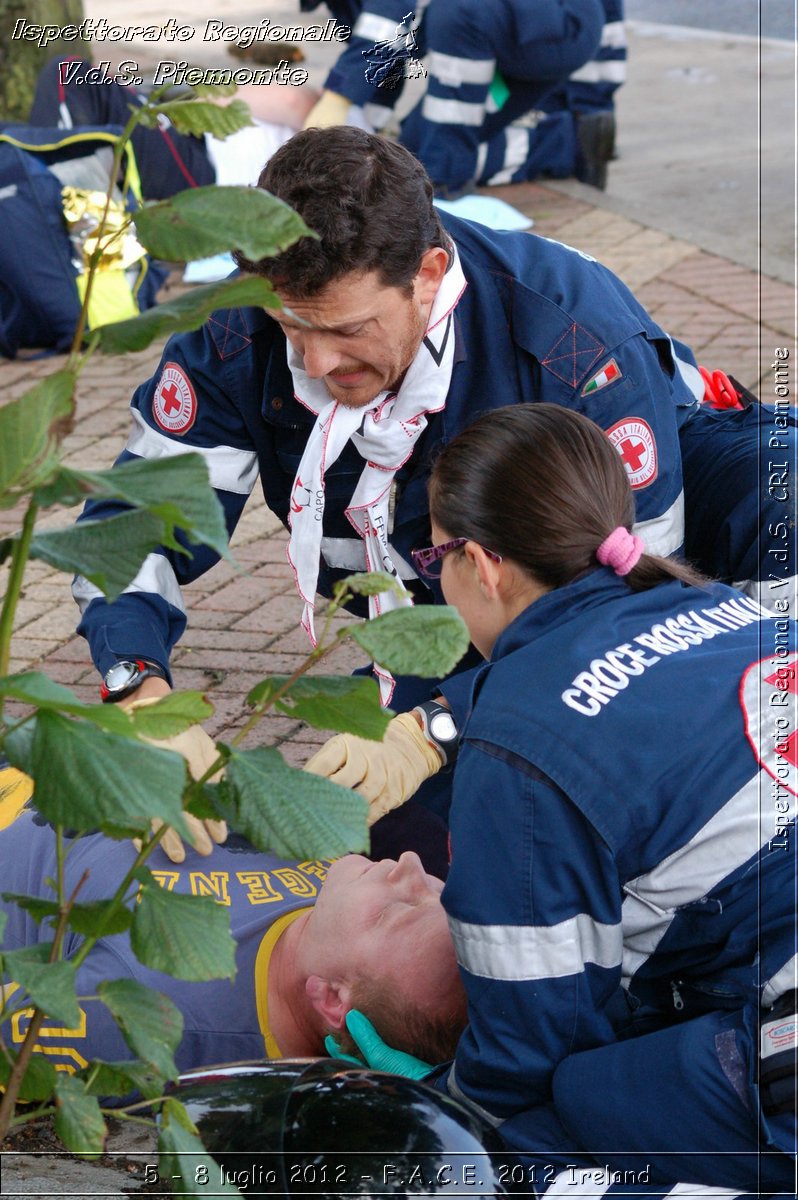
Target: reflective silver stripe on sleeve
(457,1093)
(377,29)
(155,576)
(482,156)
(525,952)
(785,980)
(701,1191)
(690,374)
(766,594)
(229,469)
(663,534)
(377,115)
(453,71)
(729,839)
(601,70)
(84,592)
(452,112)
(349,554)
(515,155)
(613,35)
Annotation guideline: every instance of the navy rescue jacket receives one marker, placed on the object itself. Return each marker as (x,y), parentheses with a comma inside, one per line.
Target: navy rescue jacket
(622,831)
(538,321)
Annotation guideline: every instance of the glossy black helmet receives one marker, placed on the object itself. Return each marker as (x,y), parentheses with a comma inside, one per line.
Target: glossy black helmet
(323,1127)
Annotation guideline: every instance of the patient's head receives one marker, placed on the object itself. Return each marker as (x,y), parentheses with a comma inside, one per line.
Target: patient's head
(380,942)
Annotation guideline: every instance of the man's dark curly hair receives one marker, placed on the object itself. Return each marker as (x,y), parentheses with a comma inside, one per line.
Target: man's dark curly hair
(369,200)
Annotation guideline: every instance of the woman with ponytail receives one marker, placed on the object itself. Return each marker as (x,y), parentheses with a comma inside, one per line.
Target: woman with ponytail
(622,884)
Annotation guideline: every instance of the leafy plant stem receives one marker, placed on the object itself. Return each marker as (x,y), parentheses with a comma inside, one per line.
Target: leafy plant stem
(9,1101)
(119,895)
(320,651)
(19,559)
(119,150)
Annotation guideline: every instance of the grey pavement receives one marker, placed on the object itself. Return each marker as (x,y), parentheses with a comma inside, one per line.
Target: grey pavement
(752,18)
(706,144)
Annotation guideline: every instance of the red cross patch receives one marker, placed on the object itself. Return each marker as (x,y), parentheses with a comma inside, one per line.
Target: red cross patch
(634,440)
(174,404)
(769,700)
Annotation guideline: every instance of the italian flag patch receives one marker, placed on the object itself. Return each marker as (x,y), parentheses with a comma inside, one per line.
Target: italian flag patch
(608,374)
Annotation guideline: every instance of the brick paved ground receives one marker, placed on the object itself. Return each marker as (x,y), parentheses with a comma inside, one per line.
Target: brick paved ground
(243,622)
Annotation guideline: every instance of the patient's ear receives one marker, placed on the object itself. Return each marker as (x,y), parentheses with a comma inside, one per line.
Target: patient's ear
(331,999)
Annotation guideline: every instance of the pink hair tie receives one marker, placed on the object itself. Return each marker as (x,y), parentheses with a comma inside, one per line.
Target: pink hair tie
(621,550)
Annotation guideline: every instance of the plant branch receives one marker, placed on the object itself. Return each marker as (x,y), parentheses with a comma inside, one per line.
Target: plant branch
(119,150)
(319,652)
(19,559)
(119,896)
(9,1102)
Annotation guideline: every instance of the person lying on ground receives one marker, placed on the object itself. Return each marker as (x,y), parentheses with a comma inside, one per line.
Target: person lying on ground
(313,939)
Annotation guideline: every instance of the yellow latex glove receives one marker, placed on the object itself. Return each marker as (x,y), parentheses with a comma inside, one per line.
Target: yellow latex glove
(199,751)
(329,109)
(385,773)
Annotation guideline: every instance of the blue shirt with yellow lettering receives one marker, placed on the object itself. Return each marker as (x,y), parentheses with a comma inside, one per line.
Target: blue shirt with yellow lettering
(224,1021)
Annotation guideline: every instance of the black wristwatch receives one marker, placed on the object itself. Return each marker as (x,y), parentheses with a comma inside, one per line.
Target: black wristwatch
(439,729)
(125,676)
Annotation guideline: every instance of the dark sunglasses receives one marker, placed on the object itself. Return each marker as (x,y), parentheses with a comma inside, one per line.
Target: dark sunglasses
(429,562)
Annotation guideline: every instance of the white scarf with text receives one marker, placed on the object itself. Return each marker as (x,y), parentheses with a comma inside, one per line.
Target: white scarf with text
(384,432)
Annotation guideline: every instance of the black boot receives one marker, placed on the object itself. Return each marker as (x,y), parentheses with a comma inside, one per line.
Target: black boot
(595,135)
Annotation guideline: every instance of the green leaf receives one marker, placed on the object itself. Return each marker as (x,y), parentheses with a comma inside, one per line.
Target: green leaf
(86,778)
(171,715)
(195,117)
(51,986)
(185,936)
(349,703)
(3,919)
(121,1078)
(199,222)
(188,311)
(108,552)
(176,489)
(150,1023)
(78,1120)
(292,812)
(39,909)
(180,1152)
(27,429)
(38,1082)
(31,687)
(205,802)
(100,918)
(213,89)
(65,486)
(427,641)
(369,583)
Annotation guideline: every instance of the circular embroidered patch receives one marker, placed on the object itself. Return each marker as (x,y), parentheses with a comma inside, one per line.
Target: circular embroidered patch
(634,441)
(769,700)
(174,404)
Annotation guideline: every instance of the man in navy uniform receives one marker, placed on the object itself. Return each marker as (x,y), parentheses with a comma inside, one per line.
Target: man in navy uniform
(513,89)
(400,326)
